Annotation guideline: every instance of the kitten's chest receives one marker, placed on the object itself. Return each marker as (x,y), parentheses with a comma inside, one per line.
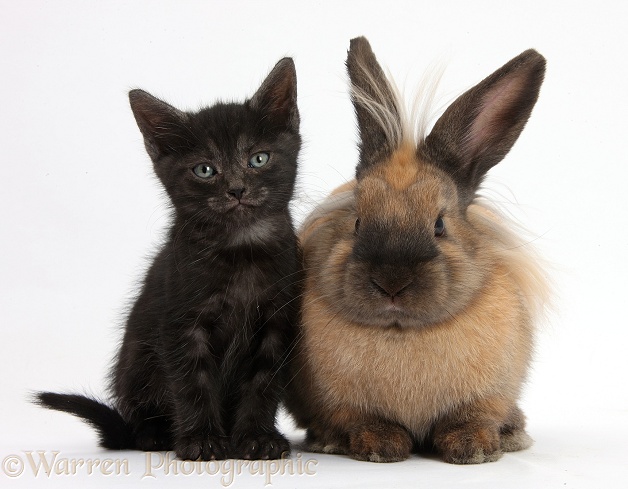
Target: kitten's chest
(232,311)
(224,291)
(234,288)
(246,288)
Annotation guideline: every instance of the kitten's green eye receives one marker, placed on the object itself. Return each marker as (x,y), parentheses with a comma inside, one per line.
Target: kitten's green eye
(258,160)
(204,171)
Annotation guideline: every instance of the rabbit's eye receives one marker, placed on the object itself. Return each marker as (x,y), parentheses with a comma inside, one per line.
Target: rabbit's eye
(357,224)
(439,227)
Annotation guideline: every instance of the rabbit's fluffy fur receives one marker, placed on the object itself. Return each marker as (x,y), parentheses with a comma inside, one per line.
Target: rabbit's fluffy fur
(420,302)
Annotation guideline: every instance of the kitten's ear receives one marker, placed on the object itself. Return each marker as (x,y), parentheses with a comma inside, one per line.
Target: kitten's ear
(164,127)
(375,105)
(480,127)
(277,96)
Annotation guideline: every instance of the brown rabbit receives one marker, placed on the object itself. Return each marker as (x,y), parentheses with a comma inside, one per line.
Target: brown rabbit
(420,303)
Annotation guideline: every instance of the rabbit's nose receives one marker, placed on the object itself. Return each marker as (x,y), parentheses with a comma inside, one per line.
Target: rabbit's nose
(390,286)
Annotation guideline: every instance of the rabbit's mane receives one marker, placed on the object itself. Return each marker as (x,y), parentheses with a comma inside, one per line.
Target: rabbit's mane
(513,243)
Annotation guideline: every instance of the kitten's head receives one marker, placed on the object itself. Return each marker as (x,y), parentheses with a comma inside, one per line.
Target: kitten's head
(230,164)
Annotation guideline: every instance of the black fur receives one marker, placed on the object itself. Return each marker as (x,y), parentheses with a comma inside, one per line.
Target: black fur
(113,431)
(200,370)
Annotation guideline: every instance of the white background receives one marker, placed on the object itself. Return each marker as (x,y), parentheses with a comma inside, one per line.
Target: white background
(81,212)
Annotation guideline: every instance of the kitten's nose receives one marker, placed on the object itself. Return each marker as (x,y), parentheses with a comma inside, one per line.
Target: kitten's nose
(237,192)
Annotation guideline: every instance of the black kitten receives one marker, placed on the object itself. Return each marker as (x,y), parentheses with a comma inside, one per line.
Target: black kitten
(200,369)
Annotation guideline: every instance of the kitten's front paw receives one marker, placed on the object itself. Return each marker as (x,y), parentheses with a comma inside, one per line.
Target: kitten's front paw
(467,445)
(151,440)
(153,435)
(202,448)
(262,446)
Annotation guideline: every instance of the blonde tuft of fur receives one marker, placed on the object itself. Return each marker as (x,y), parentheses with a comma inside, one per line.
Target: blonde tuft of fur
(401,126)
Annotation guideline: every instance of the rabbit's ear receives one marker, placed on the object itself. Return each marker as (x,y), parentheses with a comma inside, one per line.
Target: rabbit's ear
(480,127)
(375,106)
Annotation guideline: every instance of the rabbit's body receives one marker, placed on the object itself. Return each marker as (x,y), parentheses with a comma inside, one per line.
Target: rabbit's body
(413,375)
(419,306)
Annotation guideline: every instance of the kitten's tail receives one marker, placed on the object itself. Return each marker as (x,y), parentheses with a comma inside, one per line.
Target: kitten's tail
(114,433)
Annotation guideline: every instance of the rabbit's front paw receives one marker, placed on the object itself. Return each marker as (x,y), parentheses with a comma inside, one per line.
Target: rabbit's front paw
(380,442)
(469,445)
